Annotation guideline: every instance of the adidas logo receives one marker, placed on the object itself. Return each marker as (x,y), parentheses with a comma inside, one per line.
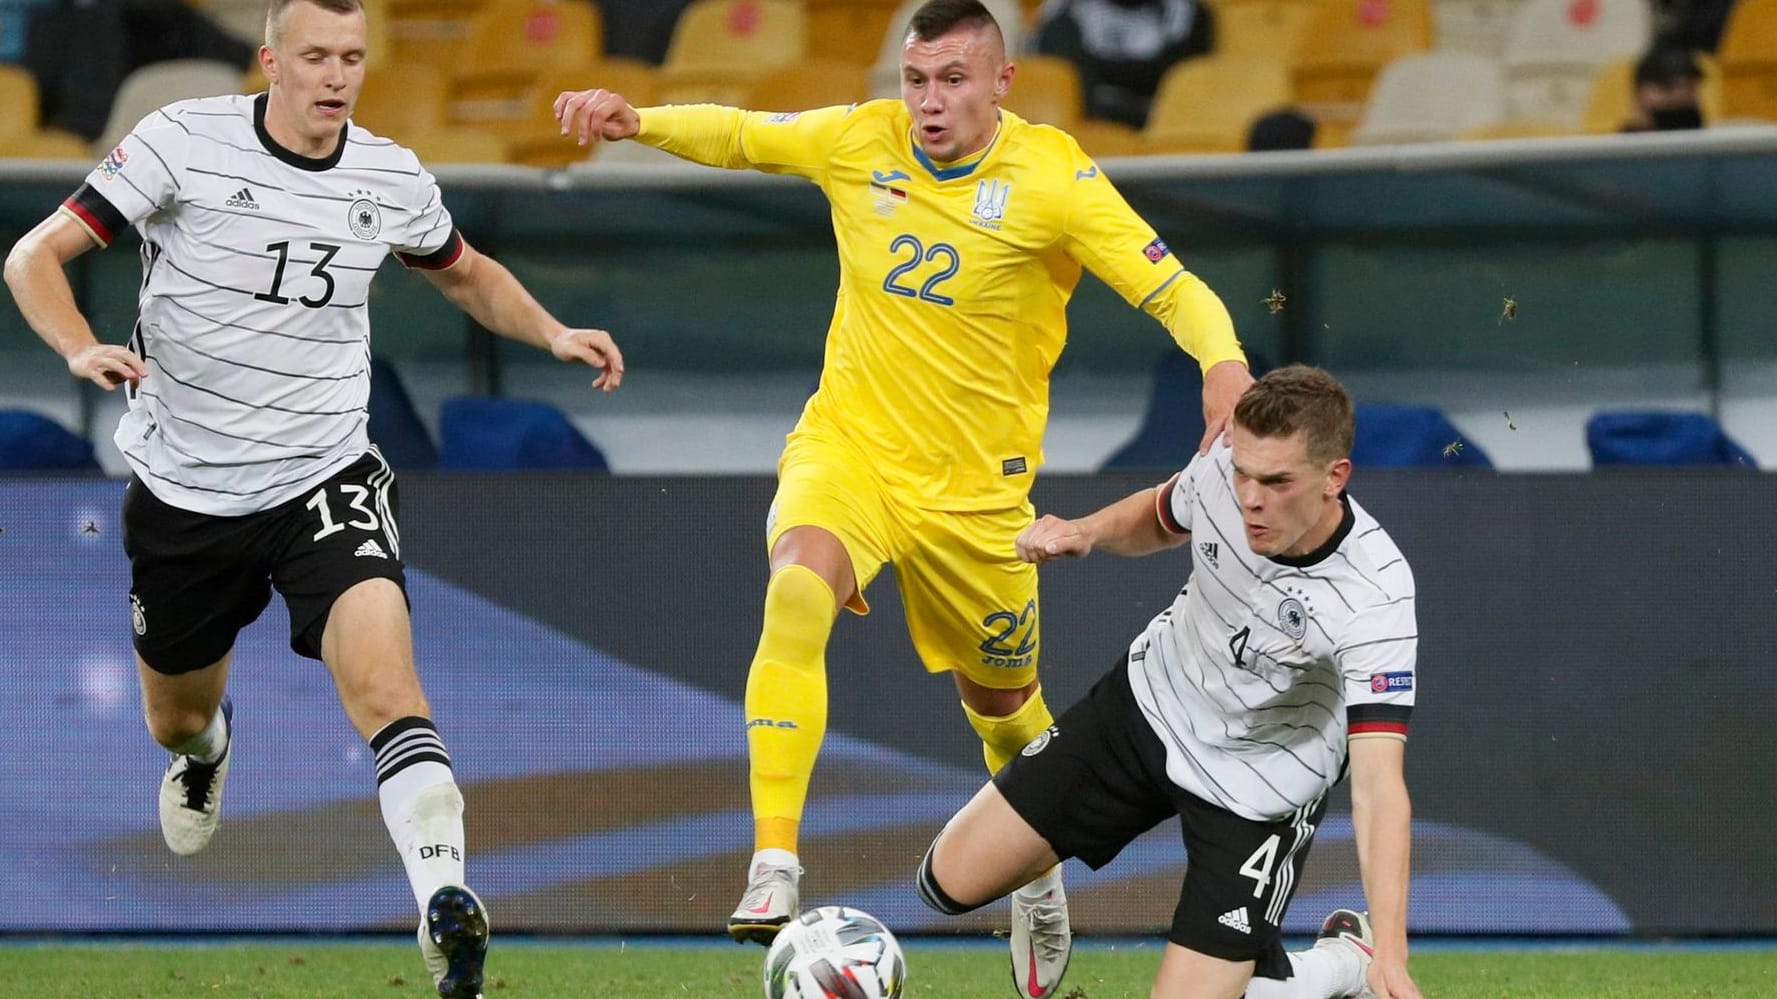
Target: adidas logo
(243,198)
(1235,919)
(372,549)
(1208,550)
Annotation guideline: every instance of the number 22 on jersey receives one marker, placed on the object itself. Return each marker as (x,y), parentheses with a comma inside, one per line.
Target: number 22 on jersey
(937,263)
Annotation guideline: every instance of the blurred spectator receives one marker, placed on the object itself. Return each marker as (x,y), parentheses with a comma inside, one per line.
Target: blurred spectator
(1122,48)
(1666,90)
(14,16)
(81,50)
(1697,24)
(1285,128)
(640,29)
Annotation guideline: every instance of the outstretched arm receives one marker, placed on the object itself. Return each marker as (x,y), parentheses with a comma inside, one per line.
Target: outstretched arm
(1382,816)
(1130,526)
(798,143)
(479,285)
(34,272)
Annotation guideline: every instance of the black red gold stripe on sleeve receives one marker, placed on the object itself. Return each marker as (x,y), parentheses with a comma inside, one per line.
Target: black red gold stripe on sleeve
(1163,506)
(100,217)
(440,259)
(1377,719)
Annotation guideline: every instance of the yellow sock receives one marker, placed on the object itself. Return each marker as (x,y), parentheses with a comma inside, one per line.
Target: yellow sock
(787,702)
(1002,738)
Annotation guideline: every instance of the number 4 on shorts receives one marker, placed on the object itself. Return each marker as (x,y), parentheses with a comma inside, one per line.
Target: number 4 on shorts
(1258,866)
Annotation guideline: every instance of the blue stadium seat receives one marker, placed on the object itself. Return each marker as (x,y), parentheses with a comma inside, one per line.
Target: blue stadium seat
(1412,437)
(1173,426)
(30,442)
(484,433)
(1661,438)
(395,426)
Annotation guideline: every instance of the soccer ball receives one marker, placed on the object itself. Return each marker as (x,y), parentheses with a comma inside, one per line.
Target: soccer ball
(834,953)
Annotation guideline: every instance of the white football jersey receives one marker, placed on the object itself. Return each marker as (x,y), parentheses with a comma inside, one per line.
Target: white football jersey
(1260,670)
(253,318)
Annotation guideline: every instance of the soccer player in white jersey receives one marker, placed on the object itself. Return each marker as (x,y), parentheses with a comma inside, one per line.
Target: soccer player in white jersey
(1288,658)
(263,219)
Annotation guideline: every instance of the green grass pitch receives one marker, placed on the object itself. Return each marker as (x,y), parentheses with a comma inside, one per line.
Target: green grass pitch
(936,970)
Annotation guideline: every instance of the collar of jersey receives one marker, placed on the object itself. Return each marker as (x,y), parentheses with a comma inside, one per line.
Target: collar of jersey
(961,168)
(1328,547)
(296,160)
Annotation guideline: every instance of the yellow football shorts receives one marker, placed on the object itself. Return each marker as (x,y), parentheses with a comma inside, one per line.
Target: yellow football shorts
(971,604)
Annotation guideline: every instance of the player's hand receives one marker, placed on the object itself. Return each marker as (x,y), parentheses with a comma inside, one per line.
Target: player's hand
(107,365)
(596,114)
(1223,385)
(594,347)
(1389,980)
(1051,537)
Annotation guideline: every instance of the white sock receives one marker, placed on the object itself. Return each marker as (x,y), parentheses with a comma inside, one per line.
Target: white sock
(207,746)
(1320,973)
(773,857)
(421,804)
(1043,884)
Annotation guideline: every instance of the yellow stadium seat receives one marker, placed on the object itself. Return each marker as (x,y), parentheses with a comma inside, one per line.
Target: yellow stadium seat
(1347,44)
(429,31)
(398,101)
(815,83)
(539,142)
(45,144)
(847,30)
(1102,139)
(1260,29)
(1748,56)
(18,90)
(1207,105)
(1612,97)
(1518,130)
(720,46)
(509,43)
(1046,89)
(1333,133)
(456,145)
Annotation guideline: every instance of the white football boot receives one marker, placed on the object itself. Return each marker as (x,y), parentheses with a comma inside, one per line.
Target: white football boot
(191,795)
(1042,941)
(772,899)
(1349,930)
(453,940)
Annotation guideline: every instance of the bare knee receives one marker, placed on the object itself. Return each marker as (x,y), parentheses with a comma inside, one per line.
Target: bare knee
(930,882)
(820,551)
(174,726)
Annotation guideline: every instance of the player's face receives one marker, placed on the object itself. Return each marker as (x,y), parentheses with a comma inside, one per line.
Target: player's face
(316,71)
(953,85)
(1290,503)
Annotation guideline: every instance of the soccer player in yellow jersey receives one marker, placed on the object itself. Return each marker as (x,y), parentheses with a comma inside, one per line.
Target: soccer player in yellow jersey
(962,231)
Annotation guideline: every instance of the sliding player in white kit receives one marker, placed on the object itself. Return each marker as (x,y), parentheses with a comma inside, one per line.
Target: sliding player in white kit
(263,219)
(1289,655)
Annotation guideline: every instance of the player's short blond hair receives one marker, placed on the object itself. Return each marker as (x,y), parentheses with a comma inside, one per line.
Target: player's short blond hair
(1299,397)
(274,14)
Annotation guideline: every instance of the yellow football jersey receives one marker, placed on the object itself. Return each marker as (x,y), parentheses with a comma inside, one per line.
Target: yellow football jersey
(954,280)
